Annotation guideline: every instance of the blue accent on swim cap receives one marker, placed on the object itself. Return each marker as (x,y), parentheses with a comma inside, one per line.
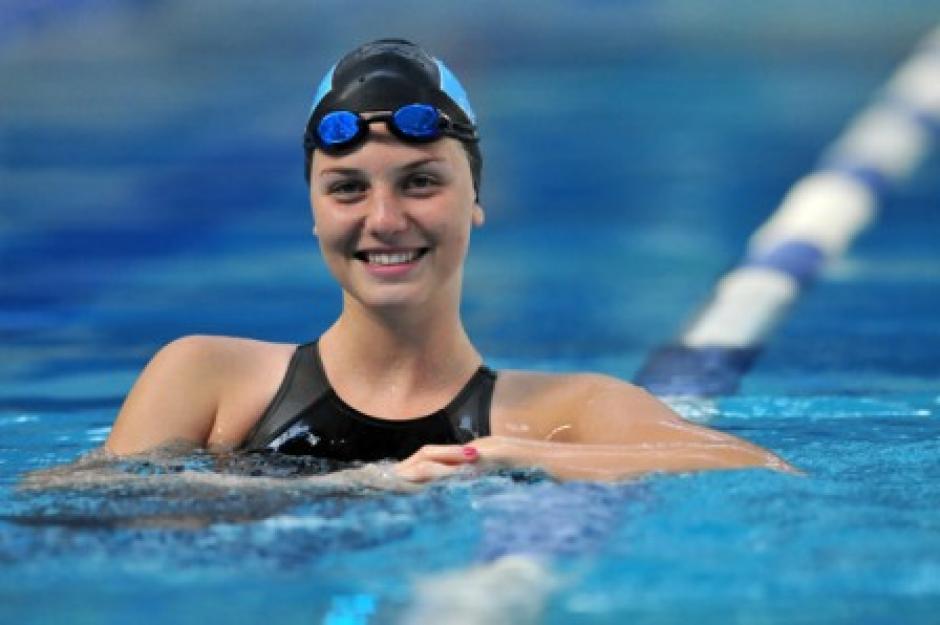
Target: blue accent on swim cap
(326,85)
(452,87)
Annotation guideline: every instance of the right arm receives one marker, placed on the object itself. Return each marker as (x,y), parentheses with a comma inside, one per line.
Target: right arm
(176,398)
(203,390)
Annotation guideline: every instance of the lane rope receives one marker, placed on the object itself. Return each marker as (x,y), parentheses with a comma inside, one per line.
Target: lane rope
(817,220)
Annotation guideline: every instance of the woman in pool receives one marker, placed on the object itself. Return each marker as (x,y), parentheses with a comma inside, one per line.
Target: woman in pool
(394,170)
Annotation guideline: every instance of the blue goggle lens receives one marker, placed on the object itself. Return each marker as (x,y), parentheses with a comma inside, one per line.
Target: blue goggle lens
(419,121)
(338,128)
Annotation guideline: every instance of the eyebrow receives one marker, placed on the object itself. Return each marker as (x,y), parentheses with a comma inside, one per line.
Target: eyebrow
(352,171)
(346,171)
(421,163)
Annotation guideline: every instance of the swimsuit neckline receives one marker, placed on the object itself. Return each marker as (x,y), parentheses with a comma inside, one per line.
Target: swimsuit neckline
(458,399)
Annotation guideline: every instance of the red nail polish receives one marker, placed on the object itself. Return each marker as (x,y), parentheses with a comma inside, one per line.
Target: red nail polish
(471,452)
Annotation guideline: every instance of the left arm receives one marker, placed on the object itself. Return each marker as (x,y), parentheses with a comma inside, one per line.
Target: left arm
(608,430)
(604,462)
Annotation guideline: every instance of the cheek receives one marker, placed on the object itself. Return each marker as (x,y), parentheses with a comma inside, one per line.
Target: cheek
(446,227)
(333,256)
(333,238)
(331,223)
(456,234)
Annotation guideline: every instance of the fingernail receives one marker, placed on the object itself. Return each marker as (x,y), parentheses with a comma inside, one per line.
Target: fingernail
(471,452)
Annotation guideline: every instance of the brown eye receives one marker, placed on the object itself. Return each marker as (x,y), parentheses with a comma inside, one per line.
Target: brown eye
(421,182)
(346,189)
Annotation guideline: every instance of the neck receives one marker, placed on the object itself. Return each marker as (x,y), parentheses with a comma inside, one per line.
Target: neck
(414,349)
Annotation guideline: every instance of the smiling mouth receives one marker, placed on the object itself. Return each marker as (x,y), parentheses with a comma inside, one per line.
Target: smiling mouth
(385,258)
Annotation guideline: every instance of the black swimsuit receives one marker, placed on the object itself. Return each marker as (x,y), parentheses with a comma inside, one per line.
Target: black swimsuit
(307,417)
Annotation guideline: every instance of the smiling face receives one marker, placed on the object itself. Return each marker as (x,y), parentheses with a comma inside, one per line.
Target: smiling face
(393,219)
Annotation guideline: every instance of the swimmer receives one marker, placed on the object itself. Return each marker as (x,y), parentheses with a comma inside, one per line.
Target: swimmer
(393,163)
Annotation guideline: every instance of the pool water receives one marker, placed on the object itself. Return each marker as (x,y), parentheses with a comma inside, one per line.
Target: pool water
(150,187)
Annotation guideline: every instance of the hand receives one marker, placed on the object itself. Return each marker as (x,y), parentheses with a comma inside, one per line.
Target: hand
(433,462)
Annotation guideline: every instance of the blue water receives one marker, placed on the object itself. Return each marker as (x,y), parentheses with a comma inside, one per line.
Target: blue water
(150,187)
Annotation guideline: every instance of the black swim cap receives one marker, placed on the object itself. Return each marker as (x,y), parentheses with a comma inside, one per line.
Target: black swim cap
(385,75)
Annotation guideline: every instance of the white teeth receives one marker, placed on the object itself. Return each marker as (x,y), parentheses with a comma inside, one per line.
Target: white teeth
(393,258)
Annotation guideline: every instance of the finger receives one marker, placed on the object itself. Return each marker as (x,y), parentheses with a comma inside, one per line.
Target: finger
(427,471)
(448,454)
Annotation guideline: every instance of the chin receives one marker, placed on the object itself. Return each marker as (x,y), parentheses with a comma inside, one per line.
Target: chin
(391,297)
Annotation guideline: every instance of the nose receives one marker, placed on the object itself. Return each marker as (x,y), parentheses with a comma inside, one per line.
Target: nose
(386,214)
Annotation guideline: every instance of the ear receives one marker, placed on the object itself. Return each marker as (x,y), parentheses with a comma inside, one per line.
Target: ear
(478,215)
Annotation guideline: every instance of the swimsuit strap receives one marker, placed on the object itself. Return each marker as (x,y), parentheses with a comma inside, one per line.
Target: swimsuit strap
(469,411)
(296,394)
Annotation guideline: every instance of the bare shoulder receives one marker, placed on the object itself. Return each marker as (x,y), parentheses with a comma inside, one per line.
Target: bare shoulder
(523,388)
(221,361)
(252,371)
(224,354)
(202,389)
(564,407)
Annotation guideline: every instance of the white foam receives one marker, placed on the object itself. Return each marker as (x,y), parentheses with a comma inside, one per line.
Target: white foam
(97,435)
(695,409)
(23,418)
(292,522)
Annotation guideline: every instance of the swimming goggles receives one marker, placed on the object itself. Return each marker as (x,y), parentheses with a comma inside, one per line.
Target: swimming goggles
(413,123)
